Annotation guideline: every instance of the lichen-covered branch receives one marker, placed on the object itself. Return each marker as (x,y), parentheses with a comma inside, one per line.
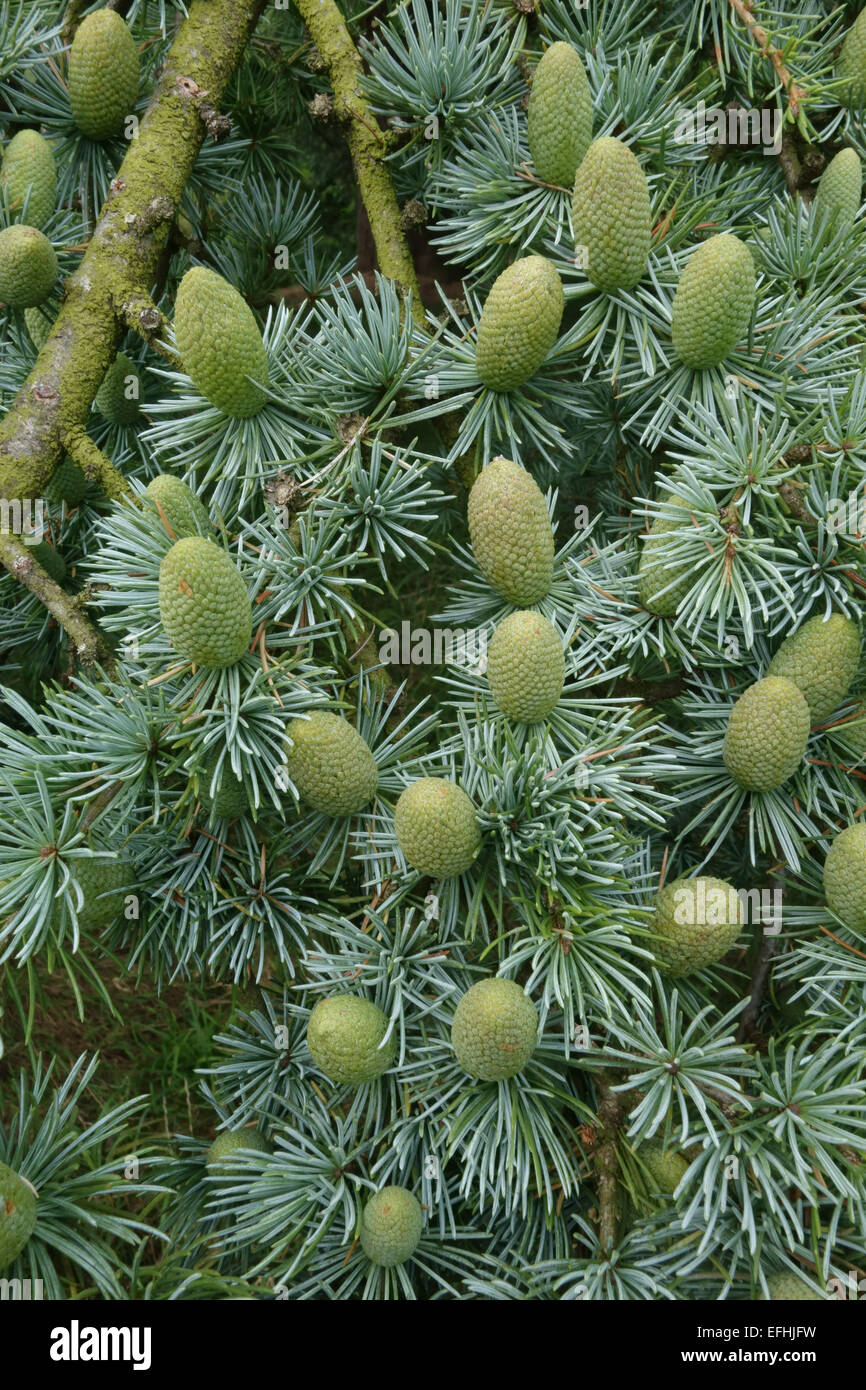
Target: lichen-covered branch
(20,561)
(367,145)
(765,954)
(611,1113)
(117,271)
(144,318)
(121,260)
(72,18)
(96,466)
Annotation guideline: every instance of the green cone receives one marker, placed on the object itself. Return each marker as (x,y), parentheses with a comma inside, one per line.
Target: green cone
(113,400)
(713,301)
(767,733)
(612,215)
(821,658)
(204,604)
(509,527)
(331,765)
(28,267)
(103,75)
(391,1226)
(219,343)
(29,172)
(437,827)
(344,1034)
(837,196)
(560,115)
(495,1029)
(17,1215)
(519,323)
(178,506)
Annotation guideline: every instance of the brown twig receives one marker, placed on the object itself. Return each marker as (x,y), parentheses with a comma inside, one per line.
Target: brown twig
(612,1110)
(767,948)
(795,93)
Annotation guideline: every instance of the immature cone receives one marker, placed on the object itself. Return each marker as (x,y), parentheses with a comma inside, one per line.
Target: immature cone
(845,877)
(853,729)
(786,1286)
(821,658)
(229,1141)
(391,1226)
(661,585)
(495,1029)
(29,172)
(839,187)
(560,115)
(204,604)
(852,62)
(51,561)
(437,827)
(68,484)
(39,325)
(117,399)
(519,323)
(510,530)
(713,301)
(330,764)
(105,883)
(526,667)
(220,344)
(17,1215)
(767,733)
(344,1035)
(612,215)
(103,75)
(696,922)
(665,1168)
(178,506)
(230,797)
(28,267)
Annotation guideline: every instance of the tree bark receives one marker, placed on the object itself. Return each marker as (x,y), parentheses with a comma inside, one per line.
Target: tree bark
(119,266)
(367,145)
(111,290)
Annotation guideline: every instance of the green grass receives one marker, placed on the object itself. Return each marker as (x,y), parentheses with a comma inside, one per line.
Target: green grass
(151,1047)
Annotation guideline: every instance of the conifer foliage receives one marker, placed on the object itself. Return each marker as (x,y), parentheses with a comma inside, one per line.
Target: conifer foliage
(439,664)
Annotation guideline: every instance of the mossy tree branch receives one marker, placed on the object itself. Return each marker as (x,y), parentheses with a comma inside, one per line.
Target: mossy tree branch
(121,260)
(96,466)
(72,18)
(67,608)
(612,1111)
(367,145)
(118,269)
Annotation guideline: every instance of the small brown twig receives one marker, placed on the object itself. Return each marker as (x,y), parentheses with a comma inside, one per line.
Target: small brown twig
(764,956)
(612,1110)
(795,93)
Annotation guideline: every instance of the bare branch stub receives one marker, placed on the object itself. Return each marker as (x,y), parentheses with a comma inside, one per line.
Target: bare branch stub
(217,124)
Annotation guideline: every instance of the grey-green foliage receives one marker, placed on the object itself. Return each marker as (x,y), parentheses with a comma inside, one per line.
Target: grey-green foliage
(340,506)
